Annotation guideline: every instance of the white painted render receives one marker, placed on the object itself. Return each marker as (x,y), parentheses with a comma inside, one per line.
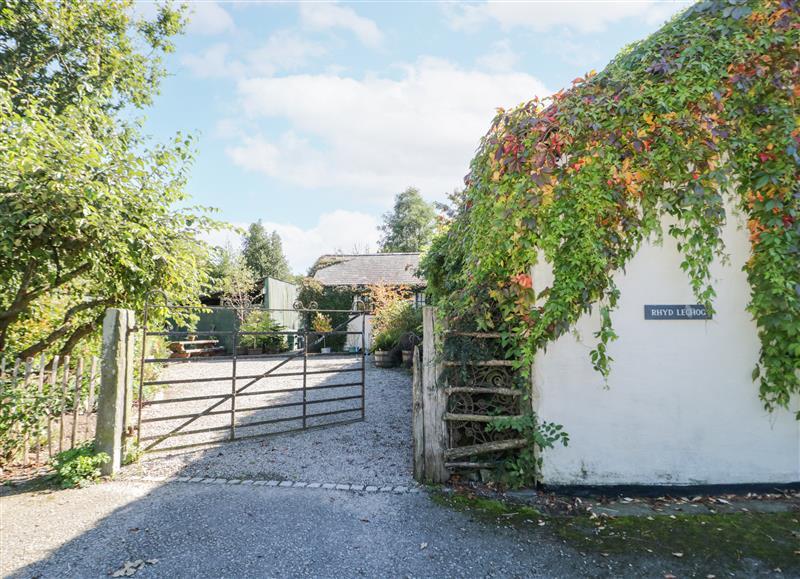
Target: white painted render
(680,407)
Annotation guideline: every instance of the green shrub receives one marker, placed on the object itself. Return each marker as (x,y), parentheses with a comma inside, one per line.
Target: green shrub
(79,466)
(321,323)
(523,468)
(384,342)
(261,321)
(22,414)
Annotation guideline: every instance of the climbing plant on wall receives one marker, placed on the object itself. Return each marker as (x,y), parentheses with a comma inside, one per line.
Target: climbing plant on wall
(703,111)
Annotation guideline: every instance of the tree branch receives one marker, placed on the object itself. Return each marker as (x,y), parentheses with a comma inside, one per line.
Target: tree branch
(62,331)
(23,299)
(80,333)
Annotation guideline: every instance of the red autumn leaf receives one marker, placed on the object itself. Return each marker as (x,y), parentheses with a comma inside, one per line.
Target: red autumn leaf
(523,280)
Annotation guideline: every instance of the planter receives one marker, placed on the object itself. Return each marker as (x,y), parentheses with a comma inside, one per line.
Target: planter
(325,350)
(408,358)
(254,351)
(313,345)
(383,359)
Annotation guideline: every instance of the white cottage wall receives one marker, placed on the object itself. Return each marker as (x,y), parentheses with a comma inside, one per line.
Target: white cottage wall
(680,407)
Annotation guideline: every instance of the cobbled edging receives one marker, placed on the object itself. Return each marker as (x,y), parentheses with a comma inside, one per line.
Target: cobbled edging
(396,489)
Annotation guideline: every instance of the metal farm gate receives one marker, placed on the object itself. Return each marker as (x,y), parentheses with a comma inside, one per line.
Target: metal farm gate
(253,380)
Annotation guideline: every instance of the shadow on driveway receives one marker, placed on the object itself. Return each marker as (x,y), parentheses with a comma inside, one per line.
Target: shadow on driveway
(207,530)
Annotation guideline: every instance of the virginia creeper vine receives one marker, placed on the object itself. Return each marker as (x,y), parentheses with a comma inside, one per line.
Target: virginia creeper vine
(702,112)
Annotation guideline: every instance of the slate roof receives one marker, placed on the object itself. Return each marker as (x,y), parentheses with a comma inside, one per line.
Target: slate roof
(369,269)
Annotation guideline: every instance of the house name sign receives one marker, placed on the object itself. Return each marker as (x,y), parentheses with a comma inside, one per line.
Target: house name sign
(676,312)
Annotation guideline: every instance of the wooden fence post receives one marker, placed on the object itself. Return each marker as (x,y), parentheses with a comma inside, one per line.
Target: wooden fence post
(434,400)
(417,417)
(116,370)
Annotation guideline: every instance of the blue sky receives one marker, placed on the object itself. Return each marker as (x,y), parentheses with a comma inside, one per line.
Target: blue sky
(312,116)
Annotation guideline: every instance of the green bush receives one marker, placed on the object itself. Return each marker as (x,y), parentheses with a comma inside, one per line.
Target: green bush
(79,466)
(384,342)
(261,321)
(22,413)
(394,321)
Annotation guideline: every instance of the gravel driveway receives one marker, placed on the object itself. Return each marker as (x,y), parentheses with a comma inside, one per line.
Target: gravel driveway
(200,530)
(375,451)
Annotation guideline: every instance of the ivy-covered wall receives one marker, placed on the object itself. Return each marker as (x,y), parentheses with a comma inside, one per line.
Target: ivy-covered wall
(680,407)
(702,112)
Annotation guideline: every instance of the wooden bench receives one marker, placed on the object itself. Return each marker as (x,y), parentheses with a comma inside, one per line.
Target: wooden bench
(189,348)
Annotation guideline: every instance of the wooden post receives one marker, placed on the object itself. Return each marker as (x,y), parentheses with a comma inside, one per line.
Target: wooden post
(40,421)
(50,393)
(76,403)
(434,400)
(90,398)
(65,379)
(26,393)
(116,368)
(417,418)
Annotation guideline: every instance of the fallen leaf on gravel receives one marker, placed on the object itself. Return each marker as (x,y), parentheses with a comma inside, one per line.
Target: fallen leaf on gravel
(364,520)
(128,568)
(423,545)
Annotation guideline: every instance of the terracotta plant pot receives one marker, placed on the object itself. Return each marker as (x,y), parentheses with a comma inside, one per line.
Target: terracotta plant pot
(383,359)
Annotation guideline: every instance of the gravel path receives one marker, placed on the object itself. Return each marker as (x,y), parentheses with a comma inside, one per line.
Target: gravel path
(375,451)
(200,530)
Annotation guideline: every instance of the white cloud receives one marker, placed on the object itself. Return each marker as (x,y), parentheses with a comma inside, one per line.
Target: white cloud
(335,231)
(580,15)
(576,52)
(375,136)
(213,62)
(225,237)
(209,19)
(327,16)
(283,50)
(501,57)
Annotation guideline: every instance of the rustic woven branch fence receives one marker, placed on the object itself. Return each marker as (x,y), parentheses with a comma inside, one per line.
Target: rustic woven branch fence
(455,400)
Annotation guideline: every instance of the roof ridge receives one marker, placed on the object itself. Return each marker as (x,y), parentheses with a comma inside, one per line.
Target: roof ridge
(370,254)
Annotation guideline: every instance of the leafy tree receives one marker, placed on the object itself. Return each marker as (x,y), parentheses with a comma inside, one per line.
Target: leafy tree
(263,253)
(410,225)
(239,286)
(221,262)
(86,202)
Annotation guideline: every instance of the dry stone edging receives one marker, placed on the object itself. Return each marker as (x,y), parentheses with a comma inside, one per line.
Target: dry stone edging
(328,486)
